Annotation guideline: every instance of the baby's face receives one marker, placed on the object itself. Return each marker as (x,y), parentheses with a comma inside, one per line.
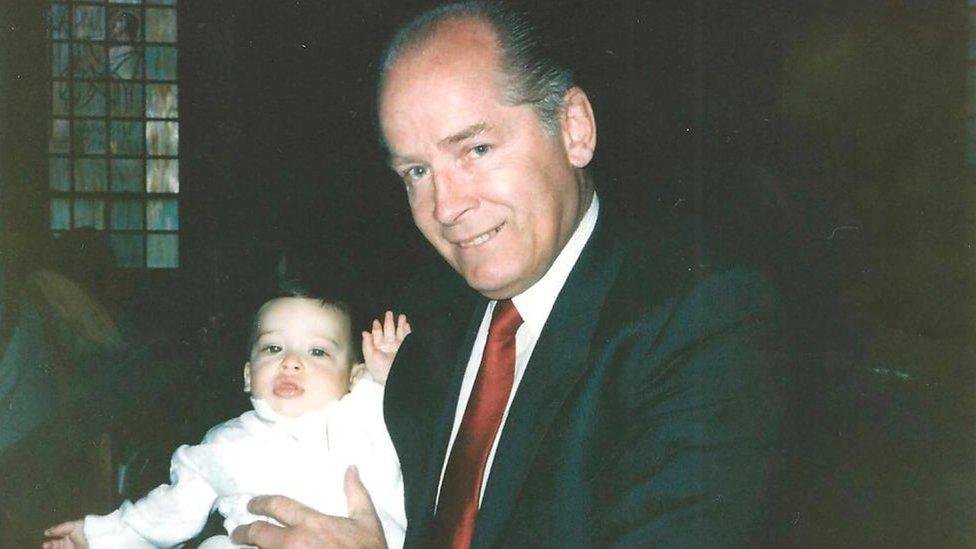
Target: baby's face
(301,356)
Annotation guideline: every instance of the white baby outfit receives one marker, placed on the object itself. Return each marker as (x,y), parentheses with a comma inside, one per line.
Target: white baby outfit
(262,452)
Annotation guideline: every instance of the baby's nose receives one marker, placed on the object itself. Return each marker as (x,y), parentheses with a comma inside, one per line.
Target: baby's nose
(292,362)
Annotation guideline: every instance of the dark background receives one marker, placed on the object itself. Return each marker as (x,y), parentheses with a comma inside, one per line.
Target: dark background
(824,141)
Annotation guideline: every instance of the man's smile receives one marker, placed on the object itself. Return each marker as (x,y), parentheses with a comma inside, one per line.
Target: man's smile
(479,239)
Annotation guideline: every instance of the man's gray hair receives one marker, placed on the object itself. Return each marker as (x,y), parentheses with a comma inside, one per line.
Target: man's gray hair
(530,74)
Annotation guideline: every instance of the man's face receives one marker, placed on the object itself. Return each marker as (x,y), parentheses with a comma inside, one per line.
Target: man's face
(492,192)
(301,356)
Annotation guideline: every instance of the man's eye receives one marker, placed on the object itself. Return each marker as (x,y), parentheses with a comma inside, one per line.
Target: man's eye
(271,349)
(480,150)
(319,353)
(415,172)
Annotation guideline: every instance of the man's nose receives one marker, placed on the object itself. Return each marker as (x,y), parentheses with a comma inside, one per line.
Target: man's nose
(452,197)
(292,362)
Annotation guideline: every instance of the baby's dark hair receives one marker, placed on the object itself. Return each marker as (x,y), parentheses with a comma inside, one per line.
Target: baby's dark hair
(334,284)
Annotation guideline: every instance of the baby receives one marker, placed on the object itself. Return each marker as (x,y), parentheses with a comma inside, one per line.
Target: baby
(307,427)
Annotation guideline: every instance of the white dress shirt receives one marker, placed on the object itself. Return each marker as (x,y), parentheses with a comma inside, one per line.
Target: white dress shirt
(533,305)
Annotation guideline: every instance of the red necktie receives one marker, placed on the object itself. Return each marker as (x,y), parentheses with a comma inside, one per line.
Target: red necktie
(457,506)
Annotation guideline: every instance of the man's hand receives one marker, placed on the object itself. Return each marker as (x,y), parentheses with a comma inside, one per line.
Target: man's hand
(380,346)
(69,535)
(305,527)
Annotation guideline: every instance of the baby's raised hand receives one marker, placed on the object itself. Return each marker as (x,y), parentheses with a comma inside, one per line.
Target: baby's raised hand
(380,345)
(68,535)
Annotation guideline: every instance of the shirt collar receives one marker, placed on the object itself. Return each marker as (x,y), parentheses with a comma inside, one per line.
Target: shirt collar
(311,424)
(535,303)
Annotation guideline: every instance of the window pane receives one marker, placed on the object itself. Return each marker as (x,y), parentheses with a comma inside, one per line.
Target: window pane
(59,98)
(127,214)
(124,25)
(60,56)
(162,175)
(60,174)
(127,175)
(162,250)
(87,60)
(60,213)
(161,101)
(160,63)
(162,214)
(89,212)
(58,21)
(89,22)
(160,25)
(60,131)
(89,98)
(124,62)
(89,136)
(90,174)
(126,99)
(128,1)
(126,138)
(162,138)
(127,249)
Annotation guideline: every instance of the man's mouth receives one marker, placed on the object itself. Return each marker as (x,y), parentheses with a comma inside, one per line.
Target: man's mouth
(288,389)
(480,239)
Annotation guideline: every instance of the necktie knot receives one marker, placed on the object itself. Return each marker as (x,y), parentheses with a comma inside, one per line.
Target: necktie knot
(505,320)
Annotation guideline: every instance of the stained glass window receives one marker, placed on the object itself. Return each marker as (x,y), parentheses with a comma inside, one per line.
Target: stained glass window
(115,132)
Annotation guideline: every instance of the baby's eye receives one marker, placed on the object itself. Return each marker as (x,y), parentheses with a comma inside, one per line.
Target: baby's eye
(319,353)
(415,173)
(480,150)
(271,349)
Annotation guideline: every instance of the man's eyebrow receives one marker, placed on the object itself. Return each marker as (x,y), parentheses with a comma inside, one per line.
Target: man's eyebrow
(466,133)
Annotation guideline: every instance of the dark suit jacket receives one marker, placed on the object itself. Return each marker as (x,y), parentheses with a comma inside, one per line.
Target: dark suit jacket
(650,413)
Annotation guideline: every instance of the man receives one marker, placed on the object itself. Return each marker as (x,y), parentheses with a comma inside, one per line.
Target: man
(641,396)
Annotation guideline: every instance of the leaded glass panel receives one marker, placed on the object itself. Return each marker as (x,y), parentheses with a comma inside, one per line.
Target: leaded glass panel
(162,214)
(127,214)
(160,63)
(126,138)
(89,136)
(162,175)
(126,99)
(89,212)
(162,251)
(90,174)
(161,101)
(89,23)
(60,214)
(89,98)
(162,138)
(60,136)
(128,175)
(60,174)
(160,25)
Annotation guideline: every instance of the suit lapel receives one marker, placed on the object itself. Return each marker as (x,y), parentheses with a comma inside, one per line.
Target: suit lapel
(557,362)
(444,423)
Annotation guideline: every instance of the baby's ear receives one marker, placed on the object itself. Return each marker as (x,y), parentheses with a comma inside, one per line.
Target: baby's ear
(247,377)
(356,371)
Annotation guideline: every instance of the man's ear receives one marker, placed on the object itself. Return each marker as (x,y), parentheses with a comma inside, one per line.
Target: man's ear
(578,127)
(247,377)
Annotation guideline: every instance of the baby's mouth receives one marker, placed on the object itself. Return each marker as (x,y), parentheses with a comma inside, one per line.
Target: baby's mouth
(287,389)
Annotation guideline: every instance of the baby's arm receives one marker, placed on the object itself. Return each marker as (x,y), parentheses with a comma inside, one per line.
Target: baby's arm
(67,535)
(168,515)
(380,346)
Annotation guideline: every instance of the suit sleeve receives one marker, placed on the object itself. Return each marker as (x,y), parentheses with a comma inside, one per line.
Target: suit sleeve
(706,402)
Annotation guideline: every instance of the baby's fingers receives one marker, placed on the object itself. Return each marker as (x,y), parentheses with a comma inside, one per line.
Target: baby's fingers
(403,327)
(389,332)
